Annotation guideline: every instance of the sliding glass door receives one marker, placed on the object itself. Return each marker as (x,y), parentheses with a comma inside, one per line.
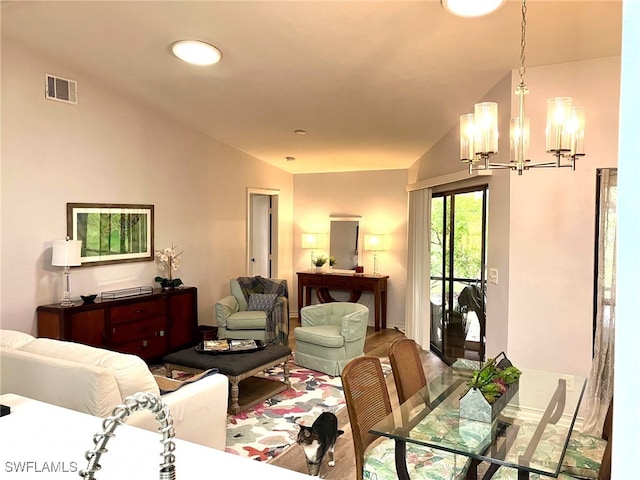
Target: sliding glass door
(458,253)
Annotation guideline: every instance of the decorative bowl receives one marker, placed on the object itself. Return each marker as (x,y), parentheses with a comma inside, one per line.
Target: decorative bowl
(89,298)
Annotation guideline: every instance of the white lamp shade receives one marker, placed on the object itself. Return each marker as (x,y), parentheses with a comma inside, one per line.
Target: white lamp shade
(375,242)
(558,117)
(310,240)
(486,127)
(467,137)
(66,253)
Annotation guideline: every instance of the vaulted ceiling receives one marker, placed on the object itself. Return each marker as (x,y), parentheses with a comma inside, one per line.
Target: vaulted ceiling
(374,83)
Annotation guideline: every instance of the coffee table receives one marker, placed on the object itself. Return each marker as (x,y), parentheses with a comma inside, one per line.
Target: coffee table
(239,368)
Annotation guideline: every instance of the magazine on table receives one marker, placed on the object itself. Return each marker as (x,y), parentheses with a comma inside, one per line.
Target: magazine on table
(226,345)
(243,344)
(215,345)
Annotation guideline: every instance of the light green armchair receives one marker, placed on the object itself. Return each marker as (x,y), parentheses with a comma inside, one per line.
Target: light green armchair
(331,334)
(257,308)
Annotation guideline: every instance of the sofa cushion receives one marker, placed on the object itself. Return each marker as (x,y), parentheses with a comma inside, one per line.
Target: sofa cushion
(326,335)
(130,371)
(14,339)
(247,320)
(262,301)
(78,386)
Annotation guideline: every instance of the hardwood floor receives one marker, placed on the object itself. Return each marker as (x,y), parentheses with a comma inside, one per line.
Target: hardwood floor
(377,344)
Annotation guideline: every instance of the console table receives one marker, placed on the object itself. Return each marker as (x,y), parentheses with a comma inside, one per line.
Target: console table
(149,326)
(355,283)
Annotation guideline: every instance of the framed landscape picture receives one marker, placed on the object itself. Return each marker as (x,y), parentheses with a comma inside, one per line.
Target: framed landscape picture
(111,233)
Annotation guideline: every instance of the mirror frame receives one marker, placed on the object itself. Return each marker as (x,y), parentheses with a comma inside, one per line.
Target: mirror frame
(348,218)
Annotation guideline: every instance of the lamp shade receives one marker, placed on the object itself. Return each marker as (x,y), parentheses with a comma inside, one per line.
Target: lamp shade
(66,253)
(375,242)
(310,240)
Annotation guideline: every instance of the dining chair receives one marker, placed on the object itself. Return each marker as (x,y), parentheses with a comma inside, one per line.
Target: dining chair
(587,456)
(408,373)
(367,398)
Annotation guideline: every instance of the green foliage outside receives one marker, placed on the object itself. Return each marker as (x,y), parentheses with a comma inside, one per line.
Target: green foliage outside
(467,253)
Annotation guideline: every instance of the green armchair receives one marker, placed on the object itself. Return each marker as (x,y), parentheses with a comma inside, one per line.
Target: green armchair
(331,334)
(257,308)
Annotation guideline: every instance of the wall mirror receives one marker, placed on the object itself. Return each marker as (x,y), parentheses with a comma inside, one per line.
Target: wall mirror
(111,233)
(345,241)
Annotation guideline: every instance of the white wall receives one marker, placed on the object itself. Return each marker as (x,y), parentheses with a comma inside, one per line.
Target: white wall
(552,223)
(108,149)
(541,224)
(380,198)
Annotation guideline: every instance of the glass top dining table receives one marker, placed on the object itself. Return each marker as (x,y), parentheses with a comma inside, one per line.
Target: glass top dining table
(530,434)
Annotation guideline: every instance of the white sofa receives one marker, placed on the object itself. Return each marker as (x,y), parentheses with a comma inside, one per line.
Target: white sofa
(93,380)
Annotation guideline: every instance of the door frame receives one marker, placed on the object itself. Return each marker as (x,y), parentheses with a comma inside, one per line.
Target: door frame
(448,216)
(274,228)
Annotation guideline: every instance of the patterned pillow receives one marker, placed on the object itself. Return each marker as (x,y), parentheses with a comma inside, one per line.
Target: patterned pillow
(262,301)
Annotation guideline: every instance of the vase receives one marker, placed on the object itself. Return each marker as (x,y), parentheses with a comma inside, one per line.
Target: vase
(318,269)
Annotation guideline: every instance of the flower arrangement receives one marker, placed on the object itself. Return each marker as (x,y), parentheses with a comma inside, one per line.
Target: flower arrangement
(168,260)
(320,260)
(494,379)
(332,261)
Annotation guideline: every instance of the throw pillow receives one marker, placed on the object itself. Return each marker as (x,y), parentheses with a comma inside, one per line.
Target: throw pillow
(262,301)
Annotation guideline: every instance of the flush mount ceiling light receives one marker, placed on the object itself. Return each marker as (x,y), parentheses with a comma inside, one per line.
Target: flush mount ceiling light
(300,132)
(290,159)
(196,52)
(564,131)
(471,8)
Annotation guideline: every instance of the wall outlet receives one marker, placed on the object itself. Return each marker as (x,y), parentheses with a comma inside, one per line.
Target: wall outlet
(493,276)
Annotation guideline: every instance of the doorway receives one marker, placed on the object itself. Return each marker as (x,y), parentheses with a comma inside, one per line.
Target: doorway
(262,233)
(458,287)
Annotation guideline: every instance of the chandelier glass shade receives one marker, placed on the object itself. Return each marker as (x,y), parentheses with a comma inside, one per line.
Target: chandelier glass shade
(564,130)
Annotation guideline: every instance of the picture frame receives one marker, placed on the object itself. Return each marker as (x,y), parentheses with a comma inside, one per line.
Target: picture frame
(112,232)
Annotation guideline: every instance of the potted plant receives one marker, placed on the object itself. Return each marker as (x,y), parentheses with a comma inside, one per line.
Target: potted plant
(490,389)
(332,261)
(319,262)
(168,260)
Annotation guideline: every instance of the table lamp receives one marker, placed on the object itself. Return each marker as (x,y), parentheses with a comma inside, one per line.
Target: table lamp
(376,243)
(66,253)
(312,241)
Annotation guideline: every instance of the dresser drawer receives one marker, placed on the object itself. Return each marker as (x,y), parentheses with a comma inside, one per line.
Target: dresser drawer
(152,347)
(141,329)
(138,310)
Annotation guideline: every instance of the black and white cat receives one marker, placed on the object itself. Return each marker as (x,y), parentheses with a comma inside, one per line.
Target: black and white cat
(318,440)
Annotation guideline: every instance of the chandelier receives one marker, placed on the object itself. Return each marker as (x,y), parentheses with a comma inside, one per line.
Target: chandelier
(564,131)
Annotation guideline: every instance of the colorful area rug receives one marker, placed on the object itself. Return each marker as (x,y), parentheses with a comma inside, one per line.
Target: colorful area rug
(266,430)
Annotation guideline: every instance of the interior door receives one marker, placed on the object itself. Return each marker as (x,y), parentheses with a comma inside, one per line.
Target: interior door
(458,293)
(260,236)
(262,233)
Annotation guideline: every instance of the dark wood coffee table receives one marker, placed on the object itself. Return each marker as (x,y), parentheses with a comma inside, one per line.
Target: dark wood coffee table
(239,368)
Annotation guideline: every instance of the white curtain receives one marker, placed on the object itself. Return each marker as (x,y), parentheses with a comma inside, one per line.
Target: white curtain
(600,383)
(418,314)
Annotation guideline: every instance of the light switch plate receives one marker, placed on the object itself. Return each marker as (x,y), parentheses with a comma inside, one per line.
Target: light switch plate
(493,276)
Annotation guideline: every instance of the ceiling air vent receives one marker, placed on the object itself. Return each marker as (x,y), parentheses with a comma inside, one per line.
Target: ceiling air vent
(61,89)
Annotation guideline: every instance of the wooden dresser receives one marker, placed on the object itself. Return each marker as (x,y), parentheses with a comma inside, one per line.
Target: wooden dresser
(149,326)
(354,283)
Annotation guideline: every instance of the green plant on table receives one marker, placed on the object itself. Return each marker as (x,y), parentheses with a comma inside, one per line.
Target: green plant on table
(332,261)
(320,260)
(494,380)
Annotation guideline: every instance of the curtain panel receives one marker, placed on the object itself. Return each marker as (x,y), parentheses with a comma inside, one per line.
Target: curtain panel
(600,383)
(418,271)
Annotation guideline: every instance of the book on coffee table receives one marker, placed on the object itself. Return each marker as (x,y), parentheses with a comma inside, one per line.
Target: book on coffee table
(243,344)
(215,345)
